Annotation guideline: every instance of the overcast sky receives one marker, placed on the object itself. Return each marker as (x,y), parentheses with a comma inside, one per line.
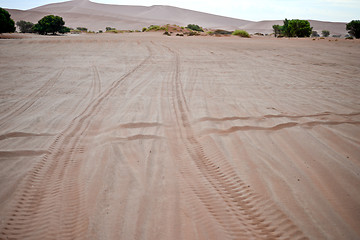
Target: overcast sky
(255,10)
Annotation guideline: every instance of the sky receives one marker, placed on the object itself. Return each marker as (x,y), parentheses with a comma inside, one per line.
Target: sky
(254,10)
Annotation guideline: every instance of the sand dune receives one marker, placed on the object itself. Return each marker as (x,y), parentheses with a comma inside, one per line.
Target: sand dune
(143,136)
(95,16)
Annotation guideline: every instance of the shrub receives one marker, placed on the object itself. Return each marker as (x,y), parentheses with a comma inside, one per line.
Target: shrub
(108,29)
(315,34)
(222,32)
(100,31)
(64,30)
(153,28)
(353,28)
(144,29)
(50,24)
(157,28)
(193,33)
(350,37)
(241,33)
(82,29)
(195,28)
(113,31)
(325,33)
(167,33)
(6,23)
(25,27)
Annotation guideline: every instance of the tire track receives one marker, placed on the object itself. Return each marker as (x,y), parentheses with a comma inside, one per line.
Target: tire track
(50,200)
(32,98)
(240,212)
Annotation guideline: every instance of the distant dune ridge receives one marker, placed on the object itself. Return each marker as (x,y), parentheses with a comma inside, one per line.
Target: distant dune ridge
(95,16)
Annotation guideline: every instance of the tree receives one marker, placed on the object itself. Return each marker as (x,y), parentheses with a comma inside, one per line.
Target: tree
(293,28)
(6,23)
(285,28)
(353,28)
(299,28)
(325,33)
(195,27)
(50,24)
(25,27)
(277,30)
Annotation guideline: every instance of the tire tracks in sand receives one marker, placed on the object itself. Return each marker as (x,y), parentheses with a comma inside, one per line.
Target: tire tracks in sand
(213,188)
(20,107)
(50,201)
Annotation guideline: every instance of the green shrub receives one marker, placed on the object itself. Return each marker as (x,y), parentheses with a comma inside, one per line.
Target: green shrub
(193,33)
(144,29)
(241,33)
(325,33)
(353,28)
(153,28)
(315,34)
(6,23)
(64,30)
(108,29)
(195,28)
(222,32)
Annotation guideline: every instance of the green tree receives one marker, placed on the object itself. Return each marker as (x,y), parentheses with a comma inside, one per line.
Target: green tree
(25,27)
(299,28)
(325,33)
(353,28)
(195,27)
(285,28)
(6,23)
(50,24)
(277,30)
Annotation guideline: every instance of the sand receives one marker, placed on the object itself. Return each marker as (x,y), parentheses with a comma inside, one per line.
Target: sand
(143,136)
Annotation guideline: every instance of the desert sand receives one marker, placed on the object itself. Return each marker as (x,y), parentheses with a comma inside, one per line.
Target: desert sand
(144,136)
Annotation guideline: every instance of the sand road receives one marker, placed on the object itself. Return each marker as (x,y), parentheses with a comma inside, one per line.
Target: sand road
(142,136)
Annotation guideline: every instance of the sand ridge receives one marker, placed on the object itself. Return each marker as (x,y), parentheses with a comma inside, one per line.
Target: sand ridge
(143,136)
